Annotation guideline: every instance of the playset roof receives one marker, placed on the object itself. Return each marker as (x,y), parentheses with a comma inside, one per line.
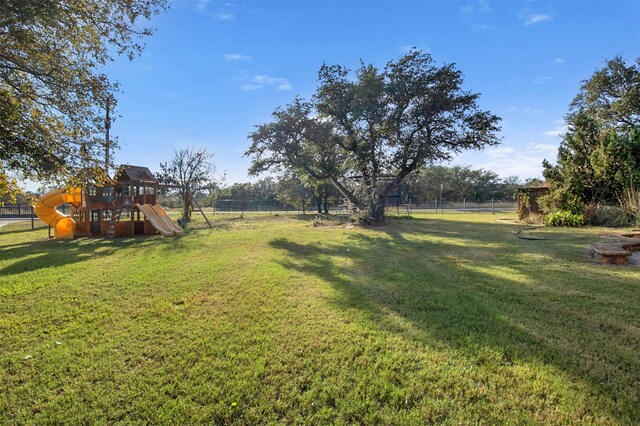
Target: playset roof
(135,173)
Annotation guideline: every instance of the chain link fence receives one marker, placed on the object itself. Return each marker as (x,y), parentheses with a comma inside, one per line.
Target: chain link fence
(15,218)
(231,206)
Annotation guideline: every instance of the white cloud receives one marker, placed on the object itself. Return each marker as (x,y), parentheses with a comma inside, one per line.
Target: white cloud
(467,9)
(265,79)
(558,61)
(482,6)
(201,5)
(542,148)
(541,80)
(475,15)
(523,162)
(235,57)
(285,87)
(224,16)
(260,81)
(534,19)
(531,110)
(501,152)
(559,129)
(249,87)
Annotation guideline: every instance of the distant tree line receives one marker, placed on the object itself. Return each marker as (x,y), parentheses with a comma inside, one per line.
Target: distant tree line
(459,183)
(422,187)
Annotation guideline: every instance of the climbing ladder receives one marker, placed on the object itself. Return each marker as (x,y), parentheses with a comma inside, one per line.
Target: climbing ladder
(111,230)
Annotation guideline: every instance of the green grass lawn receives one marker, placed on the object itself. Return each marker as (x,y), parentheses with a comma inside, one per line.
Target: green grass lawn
(437,319)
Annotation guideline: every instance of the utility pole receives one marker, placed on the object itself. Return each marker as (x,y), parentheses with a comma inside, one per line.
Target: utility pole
(107,126)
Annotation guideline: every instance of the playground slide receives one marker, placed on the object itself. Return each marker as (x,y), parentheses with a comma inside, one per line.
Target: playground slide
(155,219)
(46,210)
(167,220)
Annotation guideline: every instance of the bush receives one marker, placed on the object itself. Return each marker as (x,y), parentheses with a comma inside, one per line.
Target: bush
(564,218)
(589,212)
(615,216)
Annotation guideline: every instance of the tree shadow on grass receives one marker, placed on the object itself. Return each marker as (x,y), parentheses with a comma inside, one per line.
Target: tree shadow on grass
(468,285)
(44,254)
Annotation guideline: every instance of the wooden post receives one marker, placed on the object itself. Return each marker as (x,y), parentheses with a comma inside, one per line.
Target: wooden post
(195,203)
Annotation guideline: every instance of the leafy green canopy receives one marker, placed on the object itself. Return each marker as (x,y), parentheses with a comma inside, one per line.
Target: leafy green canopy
(599,157)
(365,134)
(52,93)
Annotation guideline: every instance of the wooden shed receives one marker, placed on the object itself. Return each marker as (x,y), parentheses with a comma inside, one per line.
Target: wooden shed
(528,201)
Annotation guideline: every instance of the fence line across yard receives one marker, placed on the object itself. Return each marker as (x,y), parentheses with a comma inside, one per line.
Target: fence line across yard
(436,206)
(15,218)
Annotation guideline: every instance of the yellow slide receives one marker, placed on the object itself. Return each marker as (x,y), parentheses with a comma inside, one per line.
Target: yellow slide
(167,220)
(46,210)
(155,219)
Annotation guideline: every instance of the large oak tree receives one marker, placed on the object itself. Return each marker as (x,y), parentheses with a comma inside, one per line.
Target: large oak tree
(365,132)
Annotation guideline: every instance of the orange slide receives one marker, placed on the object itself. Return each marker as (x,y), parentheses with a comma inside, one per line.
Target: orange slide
(46,210)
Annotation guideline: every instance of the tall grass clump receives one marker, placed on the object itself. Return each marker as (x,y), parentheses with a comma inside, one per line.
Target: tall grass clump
(626,213)
(631,202)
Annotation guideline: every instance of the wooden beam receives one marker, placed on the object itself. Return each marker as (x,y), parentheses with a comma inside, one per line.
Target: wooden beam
(195,203)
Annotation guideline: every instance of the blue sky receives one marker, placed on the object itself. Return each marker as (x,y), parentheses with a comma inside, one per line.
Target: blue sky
(214,70)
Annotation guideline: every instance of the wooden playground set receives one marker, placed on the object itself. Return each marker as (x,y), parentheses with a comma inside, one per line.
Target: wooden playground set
(126,207)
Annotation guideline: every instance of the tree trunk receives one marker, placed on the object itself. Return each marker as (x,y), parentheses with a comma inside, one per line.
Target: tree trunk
(319,204)
(186,213)
(326,205)
(376,210)
(344,191)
